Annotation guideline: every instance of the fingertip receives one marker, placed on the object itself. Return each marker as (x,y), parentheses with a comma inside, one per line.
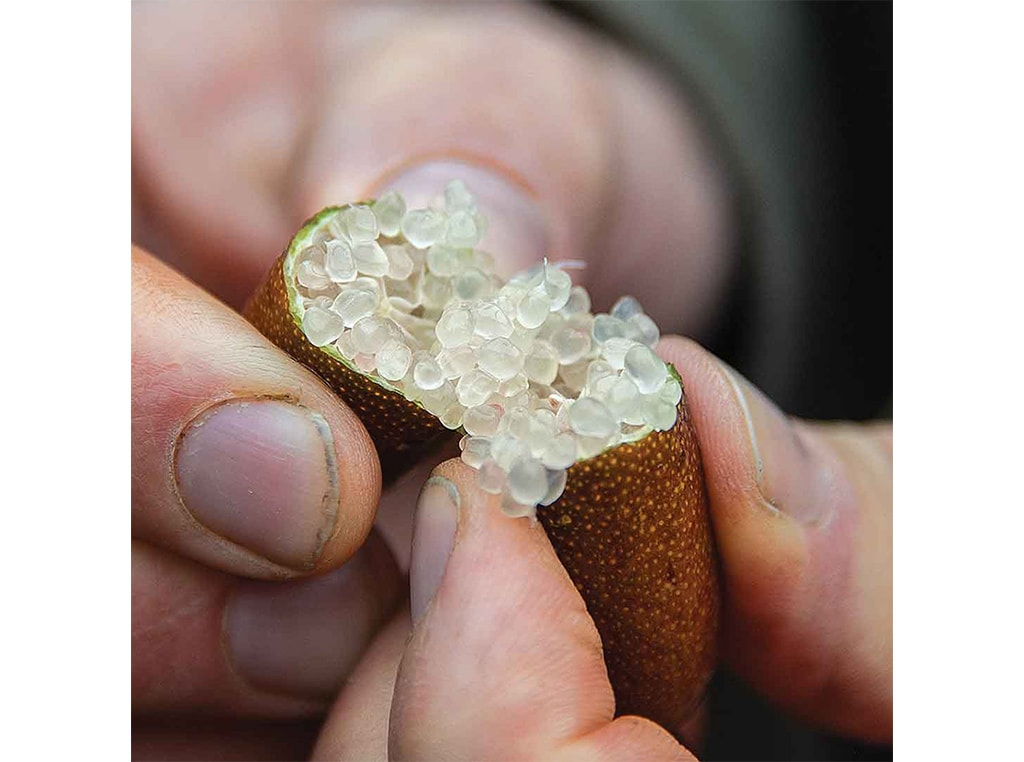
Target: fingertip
(483,524)
(802,519)
(460,475)
(733,465)
(241,458)
(504,643)
(424,118)
(453,515)
(517,228)
(435,524)
(359,487)
(763,550)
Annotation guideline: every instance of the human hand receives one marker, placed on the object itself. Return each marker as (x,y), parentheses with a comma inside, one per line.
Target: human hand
(228,159)
(505,663)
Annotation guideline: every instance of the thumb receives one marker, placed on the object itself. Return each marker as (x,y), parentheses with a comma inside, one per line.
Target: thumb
(802,514)
(504,660)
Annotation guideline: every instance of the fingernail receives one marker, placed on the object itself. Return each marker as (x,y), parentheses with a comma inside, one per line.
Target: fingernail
(433,538)
(262,474)
(517,228)
(304,637)
(792,476)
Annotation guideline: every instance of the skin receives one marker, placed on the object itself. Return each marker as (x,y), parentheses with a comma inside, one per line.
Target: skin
(240,140)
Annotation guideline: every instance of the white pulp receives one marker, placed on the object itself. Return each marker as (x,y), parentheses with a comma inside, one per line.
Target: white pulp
(534,379)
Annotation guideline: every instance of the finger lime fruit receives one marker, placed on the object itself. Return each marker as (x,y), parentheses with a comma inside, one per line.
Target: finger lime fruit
(569,416)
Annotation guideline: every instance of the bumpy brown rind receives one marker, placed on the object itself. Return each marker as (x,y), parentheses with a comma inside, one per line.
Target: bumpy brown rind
(632,527)
(632,530)
(399,428)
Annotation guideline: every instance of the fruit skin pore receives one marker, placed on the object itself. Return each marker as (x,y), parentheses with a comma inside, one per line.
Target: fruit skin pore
(632,528)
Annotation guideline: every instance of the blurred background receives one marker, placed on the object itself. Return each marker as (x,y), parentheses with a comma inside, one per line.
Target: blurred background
(798,98)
